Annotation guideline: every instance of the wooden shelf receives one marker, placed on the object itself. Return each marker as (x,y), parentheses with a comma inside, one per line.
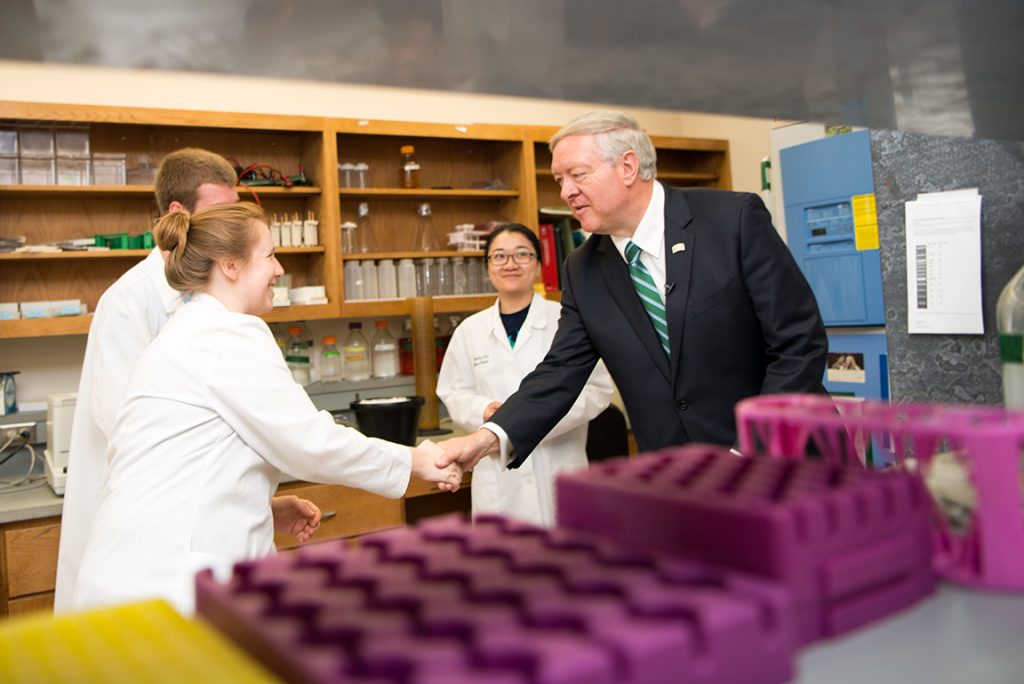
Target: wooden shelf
(400,307)
(114,191)
(686,176)
(376,256)
(317,249)
(126,254)
(98,254)
(428,193)
(46,327)
(662,175)
(79,325)
(301,313)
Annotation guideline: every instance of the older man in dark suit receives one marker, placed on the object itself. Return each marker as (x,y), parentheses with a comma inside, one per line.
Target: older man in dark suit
(689,296)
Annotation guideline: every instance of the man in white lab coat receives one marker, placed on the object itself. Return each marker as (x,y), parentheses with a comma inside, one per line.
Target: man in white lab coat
(128,317)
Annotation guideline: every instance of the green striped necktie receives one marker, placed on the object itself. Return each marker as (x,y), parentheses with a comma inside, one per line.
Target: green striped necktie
(648,293)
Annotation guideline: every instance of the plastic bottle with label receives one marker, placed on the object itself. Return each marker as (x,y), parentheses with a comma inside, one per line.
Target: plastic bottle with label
(409,173)
(1010,320)
(297,357)
(357,354)
(406,278)
(330,361)
(369,271)
(406,358)
(387,279)
(385,352)
(353,281)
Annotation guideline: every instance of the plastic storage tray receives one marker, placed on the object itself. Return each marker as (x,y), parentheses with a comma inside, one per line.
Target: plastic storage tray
(851,545)
(139,642)
(500,602)
(988,442)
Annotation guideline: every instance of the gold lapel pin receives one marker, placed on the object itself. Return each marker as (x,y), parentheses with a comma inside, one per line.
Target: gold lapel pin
(678,247)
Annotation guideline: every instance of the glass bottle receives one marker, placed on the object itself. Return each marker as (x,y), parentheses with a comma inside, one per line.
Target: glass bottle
(426,277)
(444,277)
(1010,320)
(385,352)
(473,283)
(353,281)
(297,356)
(360,178)
(426,241)
(409,174)
(387,279)
(364,240)
(368,268)
(345,175)
(330,361)
(460,285)
(348,237)
(485,281)
(357,354)
(406,364)
(406,278)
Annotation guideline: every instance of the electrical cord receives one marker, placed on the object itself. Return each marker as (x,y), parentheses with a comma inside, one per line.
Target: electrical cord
(7,485)
(10,440)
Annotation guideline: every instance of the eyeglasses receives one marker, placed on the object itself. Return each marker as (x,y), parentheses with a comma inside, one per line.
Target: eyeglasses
(521,258)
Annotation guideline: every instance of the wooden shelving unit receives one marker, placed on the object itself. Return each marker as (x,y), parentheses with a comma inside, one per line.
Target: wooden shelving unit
(456,161)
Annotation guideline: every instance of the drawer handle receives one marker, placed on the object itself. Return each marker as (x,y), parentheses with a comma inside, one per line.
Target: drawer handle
(327,515)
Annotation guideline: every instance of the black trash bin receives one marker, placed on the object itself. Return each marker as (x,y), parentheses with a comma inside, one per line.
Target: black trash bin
(395,419)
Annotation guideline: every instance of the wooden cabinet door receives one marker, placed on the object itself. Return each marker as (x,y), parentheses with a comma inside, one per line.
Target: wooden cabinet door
(30,558)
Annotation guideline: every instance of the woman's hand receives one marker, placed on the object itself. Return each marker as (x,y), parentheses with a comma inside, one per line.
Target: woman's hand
(295,516)
(424,465)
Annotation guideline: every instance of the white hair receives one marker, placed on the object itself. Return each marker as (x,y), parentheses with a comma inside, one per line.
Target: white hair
(615,133)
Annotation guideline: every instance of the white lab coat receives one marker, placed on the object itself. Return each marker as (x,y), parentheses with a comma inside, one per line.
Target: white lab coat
(128,317)
(210,418)
(480,366)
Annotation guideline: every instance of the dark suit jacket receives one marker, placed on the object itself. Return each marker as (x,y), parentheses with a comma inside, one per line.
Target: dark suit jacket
(742,321)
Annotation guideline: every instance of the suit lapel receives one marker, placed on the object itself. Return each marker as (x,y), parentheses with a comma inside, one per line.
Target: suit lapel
(678,260)
(616,275)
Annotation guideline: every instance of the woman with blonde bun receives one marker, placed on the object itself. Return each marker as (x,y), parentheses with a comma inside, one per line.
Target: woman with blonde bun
(210,420)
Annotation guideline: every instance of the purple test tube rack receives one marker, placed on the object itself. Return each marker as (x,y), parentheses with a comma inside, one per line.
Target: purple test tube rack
(500,602)
(988,442)
(850,545)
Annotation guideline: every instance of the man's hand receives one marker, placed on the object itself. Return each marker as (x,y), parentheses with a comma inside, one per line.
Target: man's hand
(468,450)
(491,409)
(295,516)
(426,464)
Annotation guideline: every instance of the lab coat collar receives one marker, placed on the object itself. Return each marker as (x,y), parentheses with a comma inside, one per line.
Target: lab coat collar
(169,297)
(534,319)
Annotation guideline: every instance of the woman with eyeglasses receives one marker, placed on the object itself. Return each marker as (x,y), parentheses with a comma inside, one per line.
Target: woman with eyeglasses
(489,355)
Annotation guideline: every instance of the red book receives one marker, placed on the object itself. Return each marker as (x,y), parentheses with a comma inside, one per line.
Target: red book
(548,260)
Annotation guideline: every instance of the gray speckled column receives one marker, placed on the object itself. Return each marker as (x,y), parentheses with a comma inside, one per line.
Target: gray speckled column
(947,368)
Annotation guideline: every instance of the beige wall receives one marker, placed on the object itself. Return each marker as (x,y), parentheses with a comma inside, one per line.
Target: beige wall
(52,365)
